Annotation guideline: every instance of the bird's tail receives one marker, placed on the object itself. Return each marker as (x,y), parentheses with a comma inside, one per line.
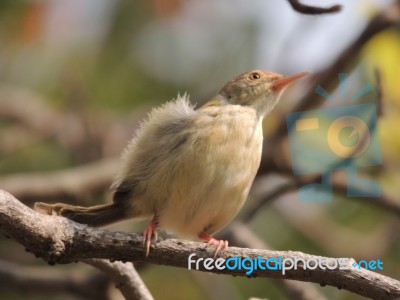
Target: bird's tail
(98,215)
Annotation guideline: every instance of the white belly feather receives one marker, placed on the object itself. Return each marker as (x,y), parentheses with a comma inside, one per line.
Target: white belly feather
(213,177)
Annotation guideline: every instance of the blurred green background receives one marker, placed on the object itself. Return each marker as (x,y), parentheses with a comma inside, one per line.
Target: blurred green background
(102,65)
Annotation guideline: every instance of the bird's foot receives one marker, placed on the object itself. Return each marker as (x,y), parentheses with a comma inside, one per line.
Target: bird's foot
(150,232)
(219,244)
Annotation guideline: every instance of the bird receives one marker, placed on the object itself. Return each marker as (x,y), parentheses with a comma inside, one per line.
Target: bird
(189,170)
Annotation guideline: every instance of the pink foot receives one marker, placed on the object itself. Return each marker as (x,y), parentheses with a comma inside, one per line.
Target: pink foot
(219,244)
(149,232)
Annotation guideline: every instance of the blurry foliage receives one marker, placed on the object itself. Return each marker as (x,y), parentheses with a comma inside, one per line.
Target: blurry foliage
(383,52)
(47,157)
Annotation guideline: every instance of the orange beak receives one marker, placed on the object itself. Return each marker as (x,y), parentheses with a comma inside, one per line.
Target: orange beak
(285,81)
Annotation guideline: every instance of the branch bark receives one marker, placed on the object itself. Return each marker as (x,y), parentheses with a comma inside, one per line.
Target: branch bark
(59,240)
(125,276)
(240,235)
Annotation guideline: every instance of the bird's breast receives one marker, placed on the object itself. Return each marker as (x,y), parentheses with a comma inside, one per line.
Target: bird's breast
(215,171)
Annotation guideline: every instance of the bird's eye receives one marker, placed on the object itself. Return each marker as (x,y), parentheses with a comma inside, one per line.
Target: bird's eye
(255,76)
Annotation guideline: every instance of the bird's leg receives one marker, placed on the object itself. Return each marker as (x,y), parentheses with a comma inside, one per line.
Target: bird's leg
(149,232)
(219,244)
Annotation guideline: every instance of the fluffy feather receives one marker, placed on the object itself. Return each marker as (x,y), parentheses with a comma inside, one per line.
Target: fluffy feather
(193,167)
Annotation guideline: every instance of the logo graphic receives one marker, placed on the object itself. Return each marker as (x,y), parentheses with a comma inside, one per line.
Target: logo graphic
(339,137)
(248,265)
(372,264)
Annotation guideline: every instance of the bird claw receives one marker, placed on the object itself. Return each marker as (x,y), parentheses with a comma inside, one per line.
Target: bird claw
(220,244)
(150,233)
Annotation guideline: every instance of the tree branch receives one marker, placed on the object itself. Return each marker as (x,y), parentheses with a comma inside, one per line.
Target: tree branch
(125,276)
(59,240)
(240,235)
(313,10)
(339,185)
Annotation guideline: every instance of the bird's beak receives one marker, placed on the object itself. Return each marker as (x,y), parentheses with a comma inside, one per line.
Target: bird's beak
(285,81)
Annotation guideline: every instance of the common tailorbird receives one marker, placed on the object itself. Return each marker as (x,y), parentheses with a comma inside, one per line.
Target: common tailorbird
(190,170)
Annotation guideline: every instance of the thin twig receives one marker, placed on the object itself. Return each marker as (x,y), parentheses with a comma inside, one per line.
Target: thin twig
(379,91)
(339,185)
(313,10)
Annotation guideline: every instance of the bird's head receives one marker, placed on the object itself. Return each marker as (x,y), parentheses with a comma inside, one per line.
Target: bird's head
(258,89)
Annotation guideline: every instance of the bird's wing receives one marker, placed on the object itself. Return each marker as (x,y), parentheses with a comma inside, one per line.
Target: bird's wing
(158,136)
